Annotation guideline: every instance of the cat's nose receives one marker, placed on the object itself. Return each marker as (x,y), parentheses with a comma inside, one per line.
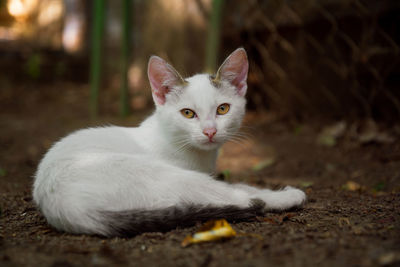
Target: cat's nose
(210,132)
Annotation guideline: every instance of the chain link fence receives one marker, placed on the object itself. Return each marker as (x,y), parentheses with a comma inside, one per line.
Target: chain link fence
(320,57)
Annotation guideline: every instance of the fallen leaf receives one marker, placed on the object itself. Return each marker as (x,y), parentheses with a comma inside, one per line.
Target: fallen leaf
(389,258)
(371,133)
(326,140)
(368,131)
(343,221)
(306,184)
(46,231)
(330,134)
(358,230)
(352,186)
(263,164)
(210,231)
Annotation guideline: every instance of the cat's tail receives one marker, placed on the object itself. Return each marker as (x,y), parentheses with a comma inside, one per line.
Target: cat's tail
(133,222)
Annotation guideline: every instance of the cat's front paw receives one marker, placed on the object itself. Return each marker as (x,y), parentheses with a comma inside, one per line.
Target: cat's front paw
(287,198)
(296,195)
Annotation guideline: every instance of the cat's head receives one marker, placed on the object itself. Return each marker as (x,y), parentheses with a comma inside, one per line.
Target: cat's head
(202,111)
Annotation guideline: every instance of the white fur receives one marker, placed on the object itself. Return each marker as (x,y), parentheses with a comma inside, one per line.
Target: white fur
(164,162)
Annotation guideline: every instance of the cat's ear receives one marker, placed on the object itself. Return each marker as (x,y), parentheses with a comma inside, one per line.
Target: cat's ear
(163,78)
(234,70)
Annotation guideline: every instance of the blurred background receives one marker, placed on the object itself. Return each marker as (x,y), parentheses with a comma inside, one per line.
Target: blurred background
(323,115)
(308,58)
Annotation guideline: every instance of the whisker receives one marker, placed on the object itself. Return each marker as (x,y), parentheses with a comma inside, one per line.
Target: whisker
(184,146)
(238,142)
(243,126)
(240,135)
(238,139)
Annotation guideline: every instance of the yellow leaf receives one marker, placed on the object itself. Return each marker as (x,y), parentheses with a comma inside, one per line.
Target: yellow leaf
(351,186)
(210,231)
(263,164)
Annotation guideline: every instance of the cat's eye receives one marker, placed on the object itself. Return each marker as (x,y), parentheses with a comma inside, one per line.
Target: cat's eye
(188,113)
(223,109)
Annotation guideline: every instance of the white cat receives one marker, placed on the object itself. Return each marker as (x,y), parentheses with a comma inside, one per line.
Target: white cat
(122,181)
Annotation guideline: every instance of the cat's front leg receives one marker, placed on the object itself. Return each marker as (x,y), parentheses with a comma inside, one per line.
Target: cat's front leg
(249,189)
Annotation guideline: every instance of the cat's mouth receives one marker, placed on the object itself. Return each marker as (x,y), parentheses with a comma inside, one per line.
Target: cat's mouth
(210,144)
(210,141)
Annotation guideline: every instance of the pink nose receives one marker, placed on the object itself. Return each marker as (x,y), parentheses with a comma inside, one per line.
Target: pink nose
(210,132)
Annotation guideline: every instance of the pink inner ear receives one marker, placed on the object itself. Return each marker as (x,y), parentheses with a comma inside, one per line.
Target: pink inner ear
(159,91)
(235,69)
(161,78)
(240,80)
(159,96)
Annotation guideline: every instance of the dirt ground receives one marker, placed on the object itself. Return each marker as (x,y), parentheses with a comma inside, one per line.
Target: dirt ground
(351,218)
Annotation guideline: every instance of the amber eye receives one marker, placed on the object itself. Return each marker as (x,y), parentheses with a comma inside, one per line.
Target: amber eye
(188,113)
(223,109)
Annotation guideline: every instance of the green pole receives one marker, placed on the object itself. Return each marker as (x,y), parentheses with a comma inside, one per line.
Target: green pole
(125,55)
(213,36)
(95,64)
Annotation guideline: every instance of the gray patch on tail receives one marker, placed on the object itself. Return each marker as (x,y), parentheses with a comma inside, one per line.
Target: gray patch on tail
(133,222)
